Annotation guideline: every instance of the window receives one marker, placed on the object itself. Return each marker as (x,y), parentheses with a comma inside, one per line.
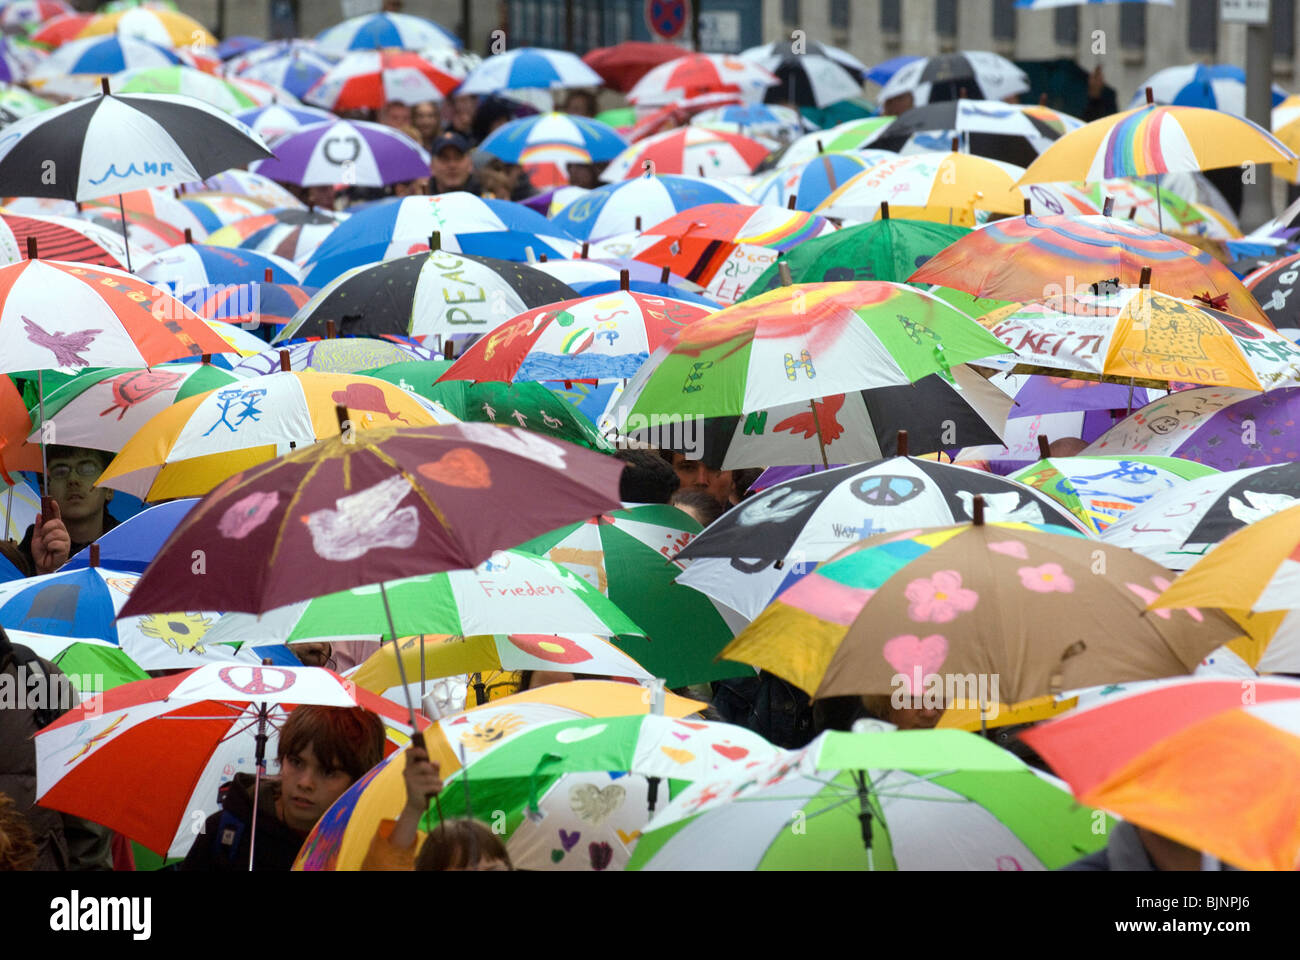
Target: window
(1133,26)
(891,16)
(945,17)
(790,12)
(1004,19)
(1065,26)
(1203,26)
(1284,29)
(839,14)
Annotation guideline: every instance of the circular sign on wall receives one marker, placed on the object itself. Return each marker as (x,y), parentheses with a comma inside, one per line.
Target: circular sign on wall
(667,18)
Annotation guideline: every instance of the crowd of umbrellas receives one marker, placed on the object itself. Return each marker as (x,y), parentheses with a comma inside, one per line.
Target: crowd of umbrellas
(1017,400)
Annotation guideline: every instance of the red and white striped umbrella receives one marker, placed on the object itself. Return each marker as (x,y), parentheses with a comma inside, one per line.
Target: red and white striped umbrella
(689,150)
(64,238)
(147,758)
(371,78)
(701,73)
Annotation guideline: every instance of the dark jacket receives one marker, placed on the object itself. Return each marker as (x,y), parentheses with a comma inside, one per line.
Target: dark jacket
(768,705)
(223,846)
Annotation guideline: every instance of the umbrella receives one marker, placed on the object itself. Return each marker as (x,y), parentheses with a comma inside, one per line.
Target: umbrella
(1215,86)
(886,249)
(759,120)
(529,68)
(20,102)
(1177,527)
(192,265)
(953,184)
(801,343)
(289,232)
(352,489)
(1022,258)
(132,544)
(696,74)
(60,29)
(193,445)
(622,65)
(341,838)
(102,56)
(345,151)
(1185,760)
(168,28)
(456,62)
(185,81)
(605,335)
(803,186)
(294,68)
(1227,429)
(215,210)
(618,208)
(371,78)
(277,119)
(809,80)
(1138,334)
(184,735)
(1141,202)
(980,74)
(1272,286)
(915,799)
(622,555)
(382,30)
(688,150)
(887,614)
(510,592)
(335,355)
(437,294)
(842,138)
(530,405)
(756,551)
(770,53)
(62,238)
(1101,490)
(238,46)
(553,138)
(247,184)
(583,825)
(999,131)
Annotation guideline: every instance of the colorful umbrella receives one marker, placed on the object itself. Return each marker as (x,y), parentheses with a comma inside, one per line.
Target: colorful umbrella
(103,56)
(249,303)
(215,211)
(336,355)
(351,490)
(999,131)
(622,65)
(759,120)
(693,75)
(842,138)
(168,28)
(131,545)
(382,30)
(1272,286)
(367,79)
(277,119)
(1102,490)
(248,184)
(688,150)
(982,75)
(529,68)
(193,265)
(289,232)
(184,81)
(617,208)
(192,446)
(63,238)
(345,151)
(554,138)
(59,30)
(951,185)
(295,68)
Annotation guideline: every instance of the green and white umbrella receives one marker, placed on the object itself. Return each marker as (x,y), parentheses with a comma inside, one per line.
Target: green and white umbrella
(513,592)
(937,800)
(576,794)
(626,555)
(186,81)
(851,135)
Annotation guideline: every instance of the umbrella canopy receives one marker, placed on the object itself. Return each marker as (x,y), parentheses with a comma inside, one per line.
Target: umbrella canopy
(215,210)
(382,30)
(803,186)
(1215,86)
(370,78)
(294,68)
(530,68)
(289,232)
(192,265)
(252,185)
(770,54)
(277,119)
(760,120)
(954,184)
(1017,259)
(1272,286)
(59,30)
(63,238)
(1000,131)
(622,65)
(972,591)
(435,294)
(848,136)
(345,151)
(353,495)
(132,544)
(688,150)
(617,208)
(103,56)
(980,74)
(554,138)
(696,74)
(249,303)
(193,445)
(1222,428)
(750,555)
(334,355)
(168,28)
(185,81)
(931,799)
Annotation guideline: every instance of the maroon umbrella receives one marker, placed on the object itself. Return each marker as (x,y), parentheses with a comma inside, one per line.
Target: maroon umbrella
(622,65)
(369,506)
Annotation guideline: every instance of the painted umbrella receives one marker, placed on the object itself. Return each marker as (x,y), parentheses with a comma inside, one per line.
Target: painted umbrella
(1019,258)
(928,186)
(853,135)
(290,232)
(184,81)
(375,505)
(618,208)
(217,210)
(68,239)
(1273,286)
(756,551)
(688,150)
(193,265)
(892,611)
(368,79)
(554,138)
(926,800)
(336,355)
(807,184)
(345,151)
(250,305)
(132,544)
(529,68)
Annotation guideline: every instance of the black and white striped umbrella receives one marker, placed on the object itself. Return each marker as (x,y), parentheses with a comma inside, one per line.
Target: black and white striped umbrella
(113,144)
(981,74)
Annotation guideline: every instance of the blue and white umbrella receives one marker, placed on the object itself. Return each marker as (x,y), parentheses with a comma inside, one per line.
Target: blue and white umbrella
(1220,86)
(275,121)
(560,138)
(398,227)
(812,181)
(104,55)
(614,209)
(345,152)
(386,30)
(294,68)
(760,120)
(530,68)
(881,73)
(194,265)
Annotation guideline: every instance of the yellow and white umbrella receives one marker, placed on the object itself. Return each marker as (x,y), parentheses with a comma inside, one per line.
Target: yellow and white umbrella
(928,186)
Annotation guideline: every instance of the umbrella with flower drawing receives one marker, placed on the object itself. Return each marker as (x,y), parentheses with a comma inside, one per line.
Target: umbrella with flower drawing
(900,611)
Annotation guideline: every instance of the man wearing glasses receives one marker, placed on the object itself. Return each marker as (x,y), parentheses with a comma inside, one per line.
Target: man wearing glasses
(80,515)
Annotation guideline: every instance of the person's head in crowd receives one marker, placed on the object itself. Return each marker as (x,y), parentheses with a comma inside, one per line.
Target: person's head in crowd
(394,113)
(411,188)
(459,114)
(70,475)
(321,195)
(580,103)
(697,475)
(743,480)
(451,164)
(492,112)
(463,845)
(881,707)
(583,175)
(322,752)
(647,477)
(702,506)
(427,122)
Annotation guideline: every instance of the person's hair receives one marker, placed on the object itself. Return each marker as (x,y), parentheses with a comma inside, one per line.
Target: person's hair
(460,843)
(584,95)
(343,738)
(490,114)
(55,451)
(744,479)
(705,504)
(648,477)
(17,846)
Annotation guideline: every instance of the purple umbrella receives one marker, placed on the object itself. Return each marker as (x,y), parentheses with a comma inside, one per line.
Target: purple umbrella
(348,152)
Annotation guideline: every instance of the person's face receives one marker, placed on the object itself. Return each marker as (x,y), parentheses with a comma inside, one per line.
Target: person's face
(72,484)
(396,114)
(694,475)
(915,718)
(412,188)
(462,110)
(425,119)
(321,196)
(451,169)
(307,789)
(583,175)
